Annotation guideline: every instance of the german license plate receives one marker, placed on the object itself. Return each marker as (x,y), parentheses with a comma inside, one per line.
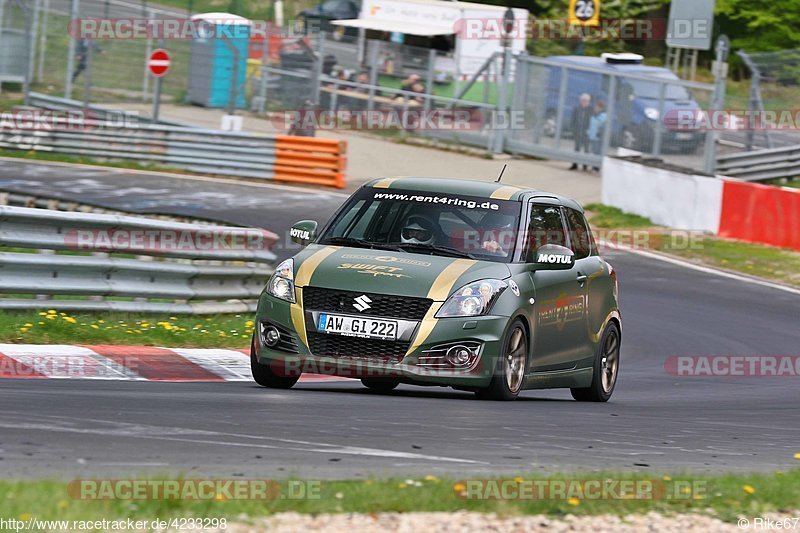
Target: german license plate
(353,326)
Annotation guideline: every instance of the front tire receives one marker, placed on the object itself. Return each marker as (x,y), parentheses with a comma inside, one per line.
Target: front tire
(510,367)
(606,369)
(265,376)
(380,385)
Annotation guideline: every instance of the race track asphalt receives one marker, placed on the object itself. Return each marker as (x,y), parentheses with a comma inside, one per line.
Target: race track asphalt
(655,422)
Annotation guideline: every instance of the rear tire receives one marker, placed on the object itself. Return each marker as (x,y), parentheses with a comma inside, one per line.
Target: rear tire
(606,369)
(265,376)
(510,366)
(380,385)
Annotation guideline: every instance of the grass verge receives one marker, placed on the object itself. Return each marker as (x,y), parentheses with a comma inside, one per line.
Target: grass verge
(724,496)
(53,327)
(48,156)
(768,262)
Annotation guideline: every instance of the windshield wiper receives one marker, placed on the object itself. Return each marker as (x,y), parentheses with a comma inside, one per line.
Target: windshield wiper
(363,243)
(443,250)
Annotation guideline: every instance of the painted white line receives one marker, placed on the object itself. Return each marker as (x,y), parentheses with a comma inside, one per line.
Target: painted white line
(700,268)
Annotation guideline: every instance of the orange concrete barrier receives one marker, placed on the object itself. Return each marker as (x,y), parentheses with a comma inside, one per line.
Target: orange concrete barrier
(310,160)
(761,213)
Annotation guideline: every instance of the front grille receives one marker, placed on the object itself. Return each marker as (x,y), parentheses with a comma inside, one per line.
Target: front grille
(323,344)
(334,300)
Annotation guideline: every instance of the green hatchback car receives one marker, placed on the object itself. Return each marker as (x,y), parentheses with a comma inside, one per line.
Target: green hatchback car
(474,285)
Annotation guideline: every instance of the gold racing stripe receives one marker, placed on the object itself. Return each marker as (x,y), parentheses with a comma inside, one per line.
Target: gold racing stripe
(301,279)
(439,291)
(298,317)
(384,183)
(308,267)
(505,192)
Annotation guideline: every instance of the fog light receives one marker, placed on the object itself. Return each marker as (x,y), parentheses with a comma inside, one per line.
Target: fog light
(271,336)
(458,355)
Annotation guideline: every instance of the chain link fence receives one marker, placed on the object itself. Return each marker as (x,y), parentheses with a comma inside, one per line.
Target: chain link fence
(577,108)
(774,85)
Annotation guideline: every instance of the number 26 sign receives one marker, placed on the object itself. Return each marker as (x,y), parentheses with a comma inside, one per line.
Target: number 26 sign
(584,12)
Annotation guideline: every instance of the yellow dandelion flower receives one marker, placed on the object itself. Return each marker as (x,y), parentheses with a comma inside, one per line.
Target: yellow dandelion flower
(431,478)
(69,319)
(459,487)
(23,330)
(573,501)
(220,497)
(518,479)
(797,456)
(666,478)
(25,517)
(748,489)
(42,313)
(28,325)
(52,312)
(95,326)
(63,504)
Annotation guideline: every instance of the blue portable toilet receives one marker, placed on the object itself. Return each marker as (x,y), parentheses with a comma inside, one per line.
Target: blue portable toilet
(212,59)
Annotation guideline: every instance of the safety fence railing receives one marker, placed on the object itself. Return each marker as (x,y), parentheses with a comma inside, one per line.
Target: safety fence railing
(761,165)
(80,261)
(278,157)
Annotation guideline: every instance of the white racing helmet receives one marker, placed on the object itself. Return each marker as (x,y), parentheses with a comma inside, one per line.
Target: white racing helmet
(418,230)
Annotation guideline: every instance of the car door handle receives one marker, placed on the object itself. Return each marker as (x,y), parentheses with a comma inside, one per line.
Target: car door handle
(581,278)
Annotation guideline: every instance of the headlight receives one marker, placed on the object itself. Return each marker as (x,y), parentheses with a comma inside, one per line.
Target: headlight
(651,113)
(281,284)
(472,299)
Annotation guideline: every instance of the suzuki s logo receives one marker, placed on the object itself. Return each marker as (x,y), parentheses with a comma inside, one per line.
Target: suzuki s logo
(362,302)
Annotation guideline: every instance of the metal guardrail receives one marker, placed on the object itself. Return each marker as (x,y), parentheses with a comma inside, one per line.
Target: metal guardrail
(103,133)
(761,165)
(158,266)
(56,103)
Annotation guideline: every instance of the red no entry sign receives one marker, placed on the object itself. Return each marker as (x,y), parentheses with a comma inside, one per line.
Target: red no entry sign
(159,62)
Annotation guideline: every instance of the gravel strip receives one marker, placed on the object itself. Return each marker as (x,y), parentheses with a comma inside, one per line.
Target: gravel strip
(469,521)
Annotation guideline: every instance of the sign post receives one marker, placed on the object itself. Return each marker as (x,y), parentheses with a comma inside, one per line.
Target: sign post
(158,64)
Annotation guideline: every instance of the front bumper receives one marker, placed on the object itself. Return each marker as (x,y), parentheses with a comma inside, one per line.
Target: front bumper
(414,366)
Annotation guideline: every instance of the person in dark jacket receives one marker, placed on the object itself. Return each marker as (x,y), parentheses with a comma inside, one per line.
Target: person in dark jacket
(579,125)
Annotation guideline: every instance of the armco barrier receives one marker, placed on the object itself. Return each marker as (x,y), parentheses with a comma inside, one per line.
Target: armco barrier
(761,213)
(275,157)
(124,263)
(730,208)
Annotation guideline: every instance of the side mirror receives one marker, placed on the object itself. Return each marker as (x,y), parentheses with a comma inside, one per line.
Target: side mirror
(303,232)
(553,257)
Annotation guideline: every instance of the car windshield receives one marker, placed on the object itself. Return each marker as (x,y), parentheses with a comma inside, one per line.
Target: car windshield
(428,223)
(651,89)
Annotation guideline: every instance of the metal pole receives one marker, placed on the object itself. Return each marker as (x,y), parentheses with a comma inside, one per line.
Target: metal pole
(319,65)
(43,41)
(429,78)
(610,109)
(74,14)
(146,78)
(717,102)
(662,89)
(157,99)
(502,102)
(32,25)
(87,76)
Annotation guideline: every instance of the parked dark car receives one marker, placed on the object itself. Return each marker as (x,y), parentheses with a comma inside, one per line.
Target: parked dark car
(319,17)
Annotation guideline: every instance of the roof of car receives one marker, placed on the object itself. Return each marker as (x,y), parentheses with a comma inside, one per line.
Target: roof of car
(590,61)
(486,189)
